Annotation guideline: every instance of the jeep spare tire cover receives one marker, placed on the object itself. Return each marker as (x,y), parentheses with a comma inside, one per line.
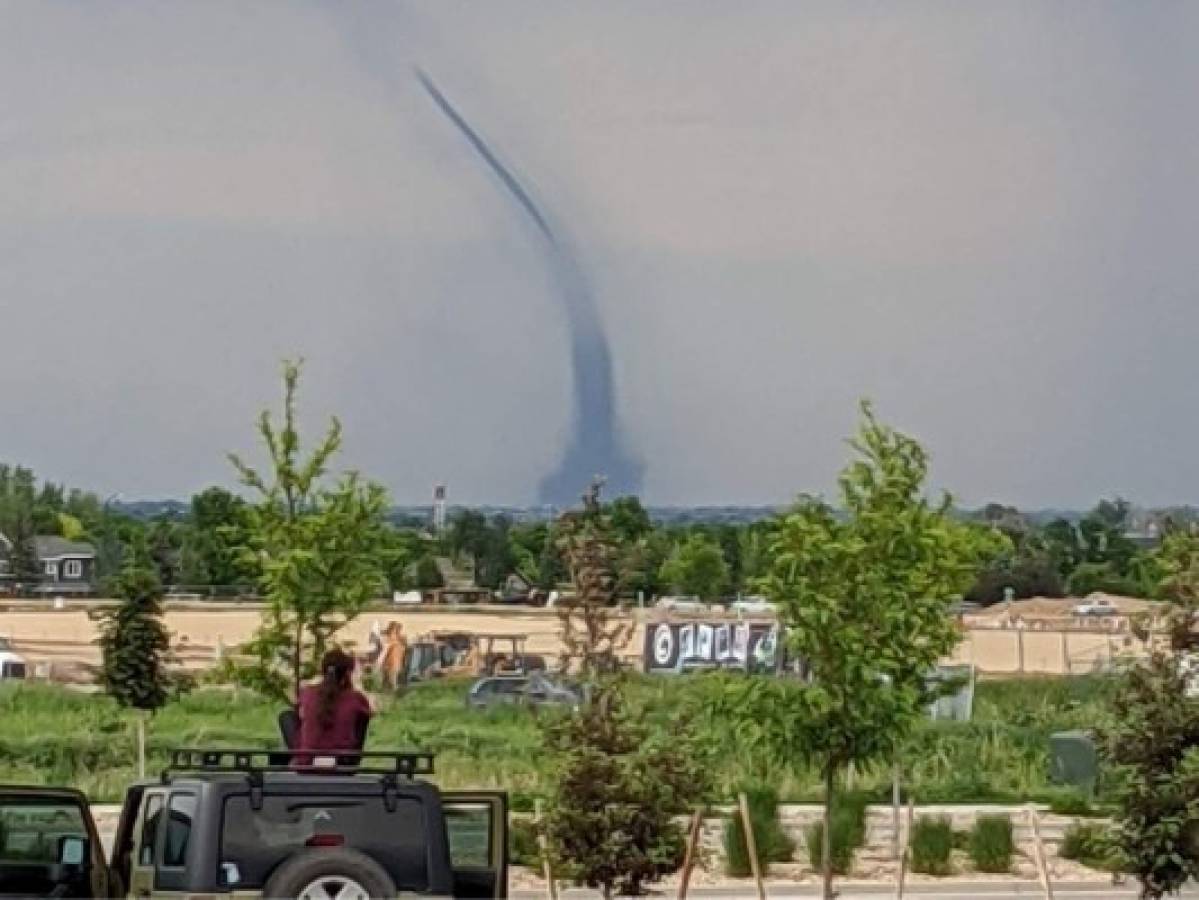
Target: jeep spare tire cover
(333,873)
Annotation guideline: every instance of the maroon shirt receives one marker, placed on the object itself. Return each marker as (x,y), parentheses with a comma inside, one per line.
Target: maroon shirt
(350,706)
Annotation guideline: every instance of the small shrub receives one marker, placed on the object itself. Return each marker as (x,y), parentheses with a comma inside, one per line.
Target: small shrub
(991,844)
(1090,844)
(522,843)
(1072,803)
(847,834)
(932,845)
(773,843)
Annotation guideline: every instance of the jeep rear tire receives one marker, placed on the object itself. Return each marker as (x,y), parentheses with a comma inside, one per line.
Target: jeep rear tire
(335,873)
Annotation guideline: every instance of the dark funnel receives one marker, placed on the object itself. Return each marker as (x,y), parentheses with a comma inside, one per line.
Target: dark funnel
(596,446)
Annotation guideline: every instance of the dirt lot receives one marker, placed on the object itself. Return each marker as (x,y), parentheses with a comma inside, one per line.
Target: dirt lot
(1032,637)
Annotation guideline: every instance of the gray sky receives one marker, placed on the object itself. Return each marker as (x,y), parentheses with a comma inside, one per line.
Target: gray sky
(981,215)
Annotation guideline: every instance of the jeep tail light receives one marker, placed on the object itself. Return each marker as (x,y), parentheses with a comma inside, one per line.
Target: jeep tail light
(326,840)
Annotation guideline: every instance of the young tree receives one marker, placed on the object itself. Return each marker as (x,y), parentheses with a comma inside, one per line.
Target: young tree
(592,634)
(697,568)
(617,793)
(1154,741)
(134,643)
(322,549)
(865,595)
(135,646)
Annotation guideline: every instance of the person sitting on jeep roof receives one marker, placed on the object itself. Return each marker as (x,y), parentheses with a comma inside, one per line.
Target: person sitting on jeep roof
(333,714)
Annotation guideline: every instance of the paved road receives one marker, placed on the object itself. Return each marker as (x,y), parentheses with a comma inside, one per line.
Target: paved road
(959,891)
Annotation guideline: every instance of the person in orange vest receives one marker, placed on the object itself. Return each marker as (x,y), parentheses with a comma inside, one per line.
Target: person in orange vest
(394,656)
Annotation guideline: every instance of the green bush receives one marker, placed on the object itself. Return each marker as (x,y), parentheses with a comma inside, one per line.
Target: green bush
(1090,578)
(522,843)
(773,843)
(932,845)
(991,843)
(1072,803)
(1091,844)
(847,834)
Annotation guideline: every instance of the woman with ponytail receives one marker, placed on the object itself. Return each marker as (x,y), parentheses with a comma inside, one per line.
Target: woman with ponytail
(333,713)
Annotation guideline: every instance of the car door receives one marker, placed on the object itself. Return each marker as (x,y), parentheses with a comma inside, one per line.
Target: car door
(143,852)
(49,845)
(477,829)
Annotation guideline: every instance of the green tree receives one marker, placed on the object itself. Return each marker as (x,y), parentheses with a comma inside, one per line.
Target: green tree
(1064,546)
(469,535)
(134,643)
(164,542)
(630,521)
(18,498)
(617,787)
(754,555)
(865,596)
(405,549)
(696,568)
(428,575)
(617,792)
(322,549)
(1153,742)
(592,636)
(496,562)
(217,541)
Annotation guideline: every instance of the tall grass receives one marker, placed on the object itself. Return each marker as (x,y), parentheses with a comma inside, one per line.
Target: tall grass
(54,735)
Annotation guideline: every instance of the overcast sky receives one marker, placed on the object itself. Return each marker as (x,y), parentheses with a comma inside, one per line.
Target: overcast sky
(982,215)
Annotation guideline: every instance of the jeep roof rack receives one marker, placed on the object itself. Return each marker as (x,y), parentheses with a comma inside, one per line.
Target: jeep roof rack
(405,764)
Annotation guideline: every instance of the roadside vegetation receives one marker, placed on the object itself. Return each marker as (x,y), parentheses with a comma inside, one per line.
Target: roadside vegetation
(55,735)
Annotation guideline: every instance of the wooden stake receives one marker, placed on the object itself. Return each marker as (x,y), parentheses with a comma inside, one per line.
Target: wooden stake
(551,887)
(141,743)
(697,824)
(751,844)
(1039,853)
(895,779)
(907,845)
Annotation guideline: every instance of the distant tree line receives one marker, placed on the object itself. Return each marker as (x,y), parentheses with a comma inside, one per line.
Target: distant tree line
(201,546)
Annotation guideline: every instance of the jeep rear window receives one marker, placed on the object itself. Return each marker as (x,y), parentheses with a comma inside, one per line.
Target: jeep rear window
(256,841)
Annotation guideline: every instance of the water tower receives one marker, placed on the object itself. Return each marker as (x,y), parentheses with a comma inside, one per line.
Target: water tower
(439,509)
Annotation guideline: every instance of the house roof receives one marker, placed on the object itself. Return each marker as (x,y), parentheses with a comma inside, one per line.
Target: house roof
(52,547)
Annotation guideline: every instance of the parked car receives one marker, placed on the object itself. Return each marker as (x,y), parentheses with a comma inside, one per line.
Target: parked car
(220,823)
(752,606)
(534,689)
(681,604)
(1096,606)
(12,666)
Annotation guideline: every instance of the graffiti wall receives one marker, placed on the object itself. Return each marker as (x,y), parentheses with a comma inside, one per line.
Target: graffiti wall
(688,646)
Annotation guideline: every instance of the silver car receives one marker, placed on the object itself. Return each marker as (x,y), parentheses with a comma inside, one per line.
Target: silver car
(534,689)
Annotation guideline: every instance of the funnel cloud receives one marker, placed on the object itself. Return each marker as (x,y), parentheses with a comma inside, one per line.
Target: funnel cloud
(596,446)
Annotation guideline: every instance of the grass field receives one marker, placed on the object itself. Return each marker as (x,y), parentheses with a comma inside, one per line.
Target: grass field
(54,736)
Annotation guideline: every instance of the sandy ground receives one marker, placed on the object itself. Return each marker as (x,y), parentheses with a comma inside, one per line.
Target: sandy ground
(1042,644)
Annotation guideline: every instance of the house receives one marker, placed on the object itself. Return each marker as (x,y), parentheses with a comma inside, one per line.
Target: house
(68,567)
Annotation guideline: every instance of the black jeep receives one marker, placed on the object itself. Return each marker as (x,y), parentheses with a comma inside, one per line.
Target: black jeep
(224,822)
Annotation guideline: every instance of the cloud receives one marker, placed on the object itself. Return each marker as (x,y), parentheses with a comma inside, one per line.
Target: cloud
(980,217)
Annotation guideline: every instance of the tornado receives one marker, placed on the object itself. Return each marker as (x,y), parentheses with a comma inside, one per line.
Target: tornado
(596,445)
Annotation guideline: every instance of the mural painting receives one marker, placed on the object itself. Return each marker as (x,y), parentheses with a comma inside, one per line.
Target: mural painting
(688,646)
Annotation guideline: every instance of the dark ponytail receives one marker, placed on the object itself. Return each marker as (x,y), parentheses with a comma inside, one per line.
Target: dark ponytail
(336,666)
